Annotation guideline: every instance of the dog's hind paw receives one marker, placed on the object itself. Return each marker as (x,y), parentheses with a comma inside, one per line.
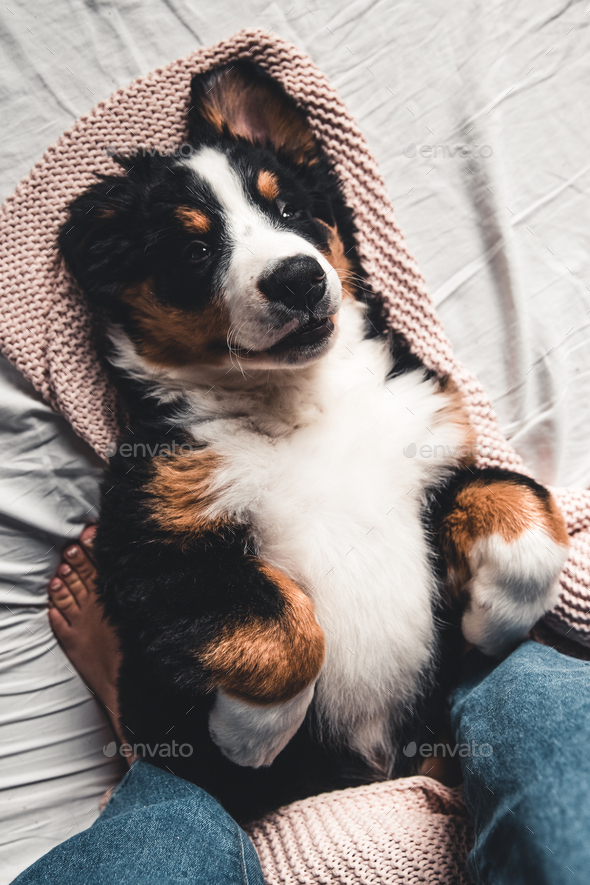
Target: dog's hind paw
(251,734)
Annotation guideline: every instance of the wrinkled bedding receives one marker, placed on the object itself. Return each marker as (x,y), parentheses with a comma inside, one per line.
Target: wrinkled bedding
(479,120)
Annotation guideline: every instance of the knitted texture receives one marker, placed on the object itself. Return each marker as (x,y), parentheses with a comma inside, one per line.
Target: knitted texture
(411,831)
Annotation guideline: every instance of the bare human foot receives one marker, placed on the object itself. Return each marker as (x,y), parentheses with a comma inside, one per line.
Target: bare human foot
(76,618)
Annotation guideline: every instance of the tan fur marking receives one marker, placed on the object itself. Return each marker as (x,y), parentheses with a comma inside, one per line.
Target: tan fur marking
(334,252)
(193,220)
(270,661)
(257,113)
(555,522)
(170,336)
(454,410)
(267,185)
(499,508)
(183,495)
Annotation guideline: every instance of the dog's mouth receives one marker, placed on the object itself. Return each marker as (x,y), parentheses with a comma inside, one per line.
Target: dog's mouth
(313,331)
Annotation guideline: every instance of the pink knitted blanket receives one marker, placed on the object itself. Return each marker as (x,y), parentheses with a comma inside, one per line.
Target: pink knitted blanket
(408,831)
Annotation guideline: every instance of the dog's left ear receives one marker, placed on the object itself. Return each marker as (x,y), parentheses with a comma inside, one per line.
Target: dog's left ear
(242,101)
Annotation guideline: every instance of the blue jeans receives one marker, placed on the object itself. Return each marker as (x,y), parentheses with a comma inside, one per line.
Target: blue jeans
(156,830)
(529,797)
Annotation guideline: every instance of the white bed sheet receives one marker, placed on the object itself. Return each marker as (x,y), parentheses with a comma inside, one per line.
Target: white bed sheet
(503,240)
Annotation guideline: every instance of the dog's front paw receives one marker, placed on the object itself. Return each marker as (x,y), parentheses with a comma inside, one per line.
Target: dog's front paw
(253,735)
(513,584)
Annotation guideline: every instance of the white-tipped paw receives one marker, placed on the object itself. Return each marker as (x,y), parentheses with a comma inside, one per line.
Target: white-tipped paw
(253,735)
(513,585)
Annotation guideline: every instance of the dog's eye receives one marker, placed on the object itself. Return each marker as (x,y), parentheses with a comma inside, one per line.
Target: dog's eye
(197,252)
(288,211)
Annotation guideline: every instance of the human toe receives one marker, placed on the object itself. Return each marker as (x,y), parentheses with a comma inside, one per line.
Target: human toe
(78,559)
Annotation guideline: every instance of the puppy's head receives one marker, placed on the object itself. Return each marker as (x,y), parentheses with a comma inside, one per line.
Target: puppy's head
(242,248)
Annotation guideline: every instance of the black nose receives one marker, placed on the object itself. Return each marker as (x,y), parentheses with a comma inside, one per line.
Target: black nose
(298,283)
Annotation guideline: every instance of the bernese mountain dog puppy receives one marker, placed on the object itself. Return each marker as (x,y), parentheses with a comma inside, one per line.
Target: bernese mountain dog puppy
(293,513)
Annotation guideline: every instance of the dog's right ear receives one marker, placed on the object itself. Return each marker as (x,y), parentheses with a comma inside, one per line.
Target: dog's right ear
(243,101)
(101,238)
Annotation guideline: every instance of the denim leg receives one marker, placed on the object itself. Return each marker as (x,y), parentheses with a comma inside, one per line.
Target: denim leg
(157,829)
(528,790)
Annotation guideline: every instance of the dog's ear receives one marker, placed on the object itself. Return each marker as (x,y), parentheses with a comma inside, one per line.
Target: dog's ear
(242,101)
(101,238)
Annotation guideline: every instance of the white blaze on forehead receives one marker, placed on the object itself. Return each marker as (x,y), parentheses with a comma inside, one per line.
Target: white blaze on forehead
(213,167)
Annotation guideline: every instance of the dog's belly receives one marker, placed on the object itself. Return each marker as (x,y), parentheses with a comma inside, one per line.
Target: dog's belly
(336,504)
(365,565)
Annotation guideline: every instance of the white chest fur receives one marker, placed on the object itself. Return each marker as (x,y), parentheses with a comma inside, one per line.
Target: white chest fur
(316,466)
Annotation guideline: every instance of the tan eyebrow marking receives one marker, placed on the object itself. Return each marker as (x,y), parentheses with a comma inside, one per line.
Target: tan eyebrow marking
(193,220)
(268,185)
